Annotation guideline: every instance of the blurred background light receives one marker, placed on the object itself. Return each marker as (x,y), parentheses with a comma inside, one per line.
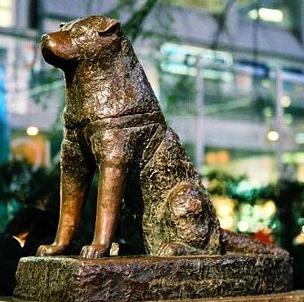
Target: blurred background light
(273,135)
(6,15)
(32,131)
(286,101)
(268,112)
(268,209)
(267,14)
(300,138)
(243,226)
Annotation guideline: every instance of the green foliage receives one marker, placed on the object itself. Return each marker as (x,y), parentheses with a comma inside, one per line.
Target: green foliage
(22,186)
(288,196)
(221,183)
(178,94)
(134,26)
(290,210)
(29,187)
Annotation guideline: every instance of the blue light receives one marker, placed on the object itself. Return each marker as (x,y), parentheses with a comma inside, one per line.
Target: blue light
(2,94)
(4,129)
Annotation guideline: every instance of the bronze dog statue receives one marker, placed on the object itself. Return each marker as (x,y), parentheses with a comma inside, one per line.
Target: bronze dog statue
(113,121)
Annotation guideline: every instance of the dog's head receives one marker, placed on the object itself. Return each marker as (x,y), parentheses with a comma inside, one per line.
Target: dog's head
(94,38)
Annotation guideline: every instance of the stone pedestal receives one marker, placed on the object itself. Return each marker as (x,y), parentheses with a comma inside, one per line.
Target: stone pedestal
(296,296)
(66,279)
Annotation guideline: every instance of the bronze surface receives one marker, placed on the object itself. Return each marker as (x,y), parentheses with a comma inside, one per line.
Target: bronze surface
(53,279)
(113,122)
(293,296)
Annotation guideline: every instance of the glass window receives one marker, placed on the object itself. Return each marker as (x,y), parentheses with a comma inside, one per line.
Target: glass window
(6,15)
(214,6)
(271,11)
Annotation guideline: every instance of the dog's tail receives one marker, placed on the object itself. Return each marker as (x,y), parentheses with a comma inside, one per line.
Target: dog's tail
(245,244)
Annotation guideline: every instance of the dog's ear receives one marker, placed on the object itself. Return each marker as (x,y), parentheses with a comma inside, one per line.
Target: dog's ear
(110,29)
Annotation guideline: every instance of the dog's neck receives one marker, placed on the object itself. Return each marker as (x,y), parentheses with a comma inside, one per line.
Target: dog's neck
(120,82)
(89,78)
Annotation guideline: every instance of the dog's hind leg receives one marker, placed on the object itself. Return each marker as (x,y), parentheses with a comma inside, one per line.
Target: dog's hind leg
(245,244)
(191,221)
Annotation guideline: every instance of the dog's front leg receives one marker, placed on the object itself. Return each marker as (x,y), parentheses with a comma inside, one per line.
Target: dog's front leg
(77,170)
(110,192)
(111,152)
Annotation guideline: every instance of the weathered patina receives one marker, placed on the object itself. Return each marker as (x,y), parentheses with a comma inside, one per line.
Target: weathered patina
(113,122)
(53,279)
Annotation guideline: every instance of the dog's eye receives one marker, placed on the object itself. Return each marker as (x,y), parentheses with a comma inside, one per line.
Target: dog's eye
(77,31)
(61,25)
(109,32)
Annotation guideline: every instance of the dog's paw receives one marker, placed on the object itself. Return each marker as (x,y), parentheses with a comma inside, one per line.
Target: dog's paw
(172,249)
(50,250)
(94,251)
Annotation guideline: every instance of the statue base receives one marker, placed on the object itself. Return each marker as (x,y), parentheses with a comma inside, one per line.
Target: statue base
(296,296)
(68,279)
